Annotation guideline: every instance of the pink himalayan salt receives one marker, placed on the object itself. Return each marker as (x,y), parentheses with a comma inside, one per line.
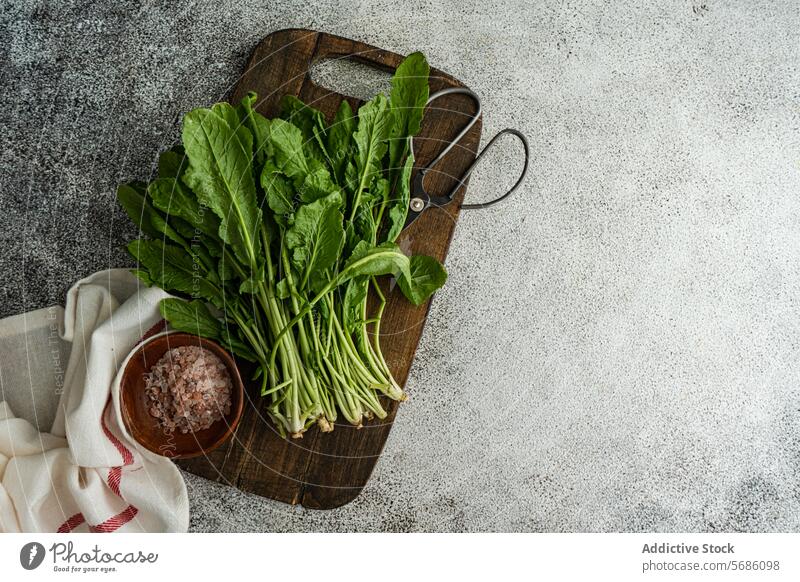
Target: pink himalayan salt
(189,388)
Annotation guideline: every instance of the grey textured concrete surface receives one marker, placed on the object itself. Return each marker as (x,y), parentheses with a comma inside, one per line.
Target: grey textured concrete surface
(617,347)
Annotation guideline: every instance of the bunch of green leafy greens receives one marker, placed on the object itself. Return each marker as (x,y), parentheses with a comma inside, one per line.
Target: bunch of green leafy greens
(275,230)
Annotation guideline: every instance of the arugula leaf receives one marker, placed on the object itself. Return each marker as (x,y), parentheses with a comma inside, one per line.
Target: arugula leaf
(287,143)
(172,197)
(252,283)
(353,303)
(225,268)
(350,176)
(316,237)
(370,140)
(150,221)
(311,123)
(183,228)
(195,318)
(186,215)
(282,290)
(317,183)
(364,226)
(409,94)
(258,126)
(220,174)
(172,163)
(277,189)
(190,317)
(398,207)
(172,269)
(132,199)
(231,116)
(425,277)
(144,276)
(340,139)
(384,259)
(237,346)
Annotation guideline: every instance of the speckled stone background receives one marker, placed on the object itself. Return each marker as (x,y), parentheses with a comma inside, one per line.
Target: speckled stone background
(617,347)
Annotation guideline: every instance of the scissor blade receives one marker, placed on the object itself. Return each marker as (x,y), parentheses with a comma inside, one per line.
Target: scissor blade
(410,218)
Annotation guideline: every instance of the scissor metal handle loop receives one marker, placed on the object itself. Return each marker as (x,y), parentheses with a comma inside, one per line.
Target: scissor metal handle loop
(526,150)
(464,130)
(457,139)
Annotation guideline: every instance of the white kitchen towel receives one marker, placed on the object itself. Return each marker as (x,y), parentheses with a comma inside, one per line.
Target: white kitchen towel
(83,473)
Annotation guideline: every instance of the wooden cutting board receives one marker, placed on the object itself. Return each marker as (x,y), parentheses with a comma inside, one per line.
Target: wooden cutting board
(323,471)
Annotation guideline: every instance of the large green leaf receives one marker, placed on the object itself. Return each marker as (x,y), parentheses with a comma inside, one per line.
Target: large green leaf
(231,116)
(287,143)
(190,317)
(311,123)
(425,277)
(317,183)
(277,189)
(370,139)
(340,138)
(172,163)
(353,302)
(221,175)
(364,227)
(316,237)
(373,261)
(133,198)
(258,126)
(195,318)
(408,97)
(175,199)
(398,206)
(172,269)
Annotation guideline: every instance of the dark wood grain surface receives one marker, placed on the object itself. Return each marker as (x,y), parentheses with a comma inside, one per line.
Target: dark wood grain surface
(323,471)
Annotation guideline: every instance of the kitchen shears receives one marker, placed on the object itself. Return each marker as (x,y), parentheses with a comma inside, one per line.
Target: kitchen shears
(420,200)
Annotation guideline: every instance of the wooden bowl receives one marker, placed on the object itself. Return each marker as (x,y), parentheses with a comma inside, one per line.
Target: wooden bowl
(145,428)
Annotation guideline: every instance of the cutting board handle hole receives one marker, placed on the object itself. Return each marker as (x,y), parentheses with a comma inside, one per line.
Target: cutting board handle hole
(350,77)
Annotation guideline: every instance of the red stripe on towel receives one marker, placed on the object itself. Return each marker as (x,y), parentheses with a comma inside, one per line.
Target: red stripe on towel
(116,522)
(71,523)
(114,478)
(127,456)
